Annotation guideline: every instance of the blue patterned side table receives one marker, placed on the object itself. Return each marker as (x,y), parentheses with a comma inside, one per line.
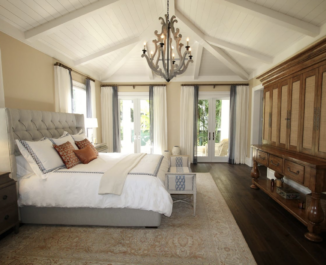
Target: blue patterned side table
(180,180)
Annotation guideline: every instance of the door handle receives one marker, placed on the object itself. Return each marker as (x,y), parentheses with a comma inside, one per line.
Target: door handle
(213,136)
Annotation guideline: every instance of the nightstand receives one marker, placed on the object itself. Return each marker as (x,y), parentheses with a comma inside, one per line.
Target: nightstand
(180,179)
(8,204)
(101,148)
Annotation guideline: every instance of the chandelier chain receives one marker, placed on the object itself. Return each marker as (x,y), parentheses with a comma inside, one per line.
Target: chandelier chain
(168,11)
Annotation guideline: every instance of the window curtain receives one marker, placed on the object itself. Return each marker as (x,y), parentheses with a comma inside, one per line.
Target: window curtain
(188,122)
(2,92)
(91,102)
(238,124)
(63,89)
(151,118)
(110,118)
(160,139)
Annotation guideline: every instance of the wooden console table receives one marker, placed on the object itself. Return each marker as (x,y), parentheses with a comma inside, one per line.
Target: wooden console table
(304,169)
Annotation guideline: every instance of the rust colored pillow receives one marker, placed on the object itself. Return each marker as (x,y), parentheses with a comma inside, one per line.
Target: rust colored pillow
(86,155)
(66,152)
(82,144)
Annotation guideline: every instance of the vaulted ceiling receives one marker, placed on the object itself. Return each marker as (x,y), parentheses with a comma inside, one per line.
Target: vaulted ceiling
(230,38)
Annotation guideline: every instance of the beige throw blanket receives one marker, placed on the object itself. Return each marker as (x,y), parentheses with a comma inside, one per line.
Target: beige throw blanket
(114,179)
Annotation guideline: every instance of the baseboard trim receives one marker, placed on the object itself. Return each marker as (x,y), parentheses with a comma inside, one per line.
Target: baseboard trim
(248,161)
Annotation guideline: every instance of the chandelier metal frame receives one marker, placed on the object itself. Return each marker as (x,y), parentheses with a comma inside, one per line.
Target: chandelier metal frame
(164,51)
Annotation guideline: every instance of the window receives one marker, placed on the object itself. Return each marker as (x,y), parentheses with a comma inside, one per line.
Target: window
(79,98)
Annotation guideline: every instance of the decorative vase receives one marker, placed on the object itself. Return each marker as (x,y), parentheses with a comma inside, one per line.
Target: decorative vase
(176,151)
(167,155)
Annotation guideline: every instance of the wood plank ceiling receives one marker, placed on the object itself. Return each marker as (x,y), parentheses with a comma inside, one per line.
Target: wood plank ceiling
(234,37)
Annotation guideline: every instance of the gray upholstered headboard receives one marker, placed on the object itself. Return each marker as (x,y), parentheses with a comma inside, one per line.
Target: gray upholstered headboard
(31,125)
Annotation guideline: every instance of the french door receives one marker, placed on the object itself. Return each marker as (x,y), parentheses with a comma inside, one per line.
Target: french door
(134,122)
(213,127)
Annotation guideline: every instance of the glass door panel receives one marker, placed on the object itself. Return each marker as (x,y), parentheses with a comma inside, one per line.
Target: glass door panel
(145,140)
(202,128)
(221,136)
(127,131)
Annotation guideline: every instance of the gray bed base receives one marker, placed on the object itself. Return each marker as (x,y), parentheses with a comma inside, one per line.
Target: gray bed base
(89,216)
(32,125)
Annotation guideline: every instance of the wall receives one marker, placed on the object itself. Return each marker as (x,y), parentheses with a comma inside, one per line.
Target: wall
(28,77)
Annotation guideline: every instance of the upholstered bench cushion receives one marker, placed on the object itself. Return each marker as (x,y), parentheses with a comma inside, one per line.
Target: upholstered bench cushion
(179,161)
(177,183)
(179,170)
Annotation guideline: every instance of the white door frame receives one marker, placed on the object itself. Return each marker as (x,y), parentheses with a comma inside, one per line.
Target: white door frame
(212,97)
(256,123)
(135,97)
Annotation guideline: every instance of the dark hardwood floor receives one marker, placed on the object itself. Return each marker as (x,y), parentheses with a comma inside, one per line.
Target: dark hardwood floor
(273,235)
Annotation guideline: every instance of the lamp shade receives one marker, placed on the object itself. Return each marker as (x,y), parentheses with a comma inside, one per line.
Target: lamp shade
(91,123)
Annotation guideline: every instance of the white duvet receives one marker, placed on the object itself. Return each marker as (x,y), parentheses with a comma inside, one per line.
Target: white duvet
(78,187)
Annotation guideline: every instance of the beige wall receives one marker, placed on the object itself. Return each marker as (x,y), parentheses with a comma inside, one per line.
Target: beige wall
(28,77)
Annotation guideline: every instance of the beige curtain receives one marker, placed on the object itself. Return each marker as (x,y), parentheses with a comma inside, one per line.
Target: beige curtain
(2,92)
(107,116)
(62,89)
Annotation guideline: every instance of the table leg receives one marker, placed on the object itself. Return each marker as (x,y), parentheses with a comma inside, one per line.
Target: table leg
(254,175)
(315,217)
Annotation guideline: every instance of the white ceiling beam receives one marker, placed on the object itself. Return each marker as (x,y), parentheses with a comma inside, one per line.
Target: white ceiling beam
(120,61)
(238,49)
(215,51)
(54,24)
(172,8)
(276,17)
(149,70)
(198,54)
(106,51)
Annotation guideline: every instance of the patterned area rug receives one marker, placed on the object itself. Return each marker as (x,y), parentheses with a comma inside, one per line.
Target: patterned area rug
(211,237)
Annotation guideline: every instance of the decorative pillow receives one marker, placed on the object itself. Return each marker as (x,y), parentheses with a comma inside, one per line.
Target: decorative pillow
(24,170)
(82,144)
(40,155)
(66,152)
(64,139)
(86,155)
(77,137)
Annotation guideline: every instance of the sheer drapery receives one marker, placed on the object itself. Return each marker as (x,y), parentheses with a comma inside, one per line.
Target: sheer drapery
(160,139)
(2,93)
(195,135)
(238,124)
(110,118)
(187,121)
(62,89)
(151,118)
(88,99)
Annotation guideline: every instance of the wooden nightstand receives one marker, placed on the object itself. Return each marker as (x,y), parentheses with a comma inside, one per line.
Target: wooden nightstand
(101,148)
(8,204)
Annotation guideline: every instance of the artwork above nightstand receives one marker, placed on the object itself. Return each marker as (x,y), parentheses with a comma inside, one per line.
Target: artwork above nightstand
(101,148)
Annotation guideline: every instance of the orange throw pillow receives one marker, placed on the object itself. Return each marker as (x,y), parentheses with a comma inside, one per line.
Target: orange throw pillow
(66,152)
(86,154)
(82,144)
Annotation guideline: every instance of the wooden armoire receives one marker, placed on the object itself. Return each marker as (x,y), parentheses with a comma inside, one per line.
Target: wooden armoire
(294,132)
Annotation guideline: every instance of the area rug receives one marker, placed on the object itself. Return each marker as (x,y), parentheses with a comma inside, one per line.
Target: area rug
(210,237)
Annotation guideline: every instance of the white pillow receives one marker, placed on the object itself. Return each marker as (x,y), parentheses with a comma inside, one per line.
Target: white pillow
(41,156)
(77,137)
(64,139)
(24,170)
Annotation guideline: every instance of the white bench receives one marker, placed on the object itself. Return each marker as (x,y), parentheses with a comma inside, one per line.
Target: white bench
(180,179)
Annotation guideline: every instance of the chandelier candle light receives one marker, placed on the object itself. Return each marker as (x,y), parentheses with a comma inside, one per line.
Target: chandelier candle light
(164,51)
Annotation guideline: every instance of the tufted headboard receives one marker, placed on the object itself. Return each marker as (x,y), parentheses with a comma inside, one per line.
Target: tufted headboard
(31,125)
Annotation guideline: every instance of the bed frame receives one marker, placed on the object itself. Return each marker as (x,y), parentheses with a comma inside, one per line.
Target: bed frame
(32,125)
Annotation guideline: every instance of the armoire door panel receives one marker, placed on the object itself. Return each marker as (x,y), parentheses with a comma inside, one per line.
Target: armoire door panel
(267,106)
(321,115)
(294,95)
(275,119)
(309,94)
(284,119)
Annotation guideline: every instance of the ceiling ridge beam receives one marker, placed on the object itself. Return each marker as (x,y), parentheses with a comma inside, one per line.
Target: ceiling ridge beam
(199,54)
(276,17)
(106,51)
(238,49)
(52,25)
(215,51)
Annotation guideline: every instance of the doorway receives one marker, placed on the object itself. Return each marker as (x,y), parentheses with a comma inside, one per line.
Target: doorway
(134,123)
(213,127)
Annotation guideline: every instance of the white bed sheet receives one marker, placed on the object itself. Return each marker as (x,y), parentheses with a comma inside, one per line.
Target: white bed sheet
(78,187)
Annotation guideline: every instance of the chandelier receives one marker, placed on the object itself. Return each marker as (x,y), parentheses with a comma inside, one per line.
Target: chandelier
(164,50)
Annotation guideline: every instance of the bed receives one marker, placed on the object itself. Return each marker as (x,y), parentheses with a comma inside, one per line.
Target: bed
(69,196)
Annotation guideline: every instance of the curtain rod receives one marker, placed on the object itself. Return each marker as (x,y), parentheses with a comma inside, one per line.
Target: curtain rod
(70,69)
(135,85)
(214,85)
